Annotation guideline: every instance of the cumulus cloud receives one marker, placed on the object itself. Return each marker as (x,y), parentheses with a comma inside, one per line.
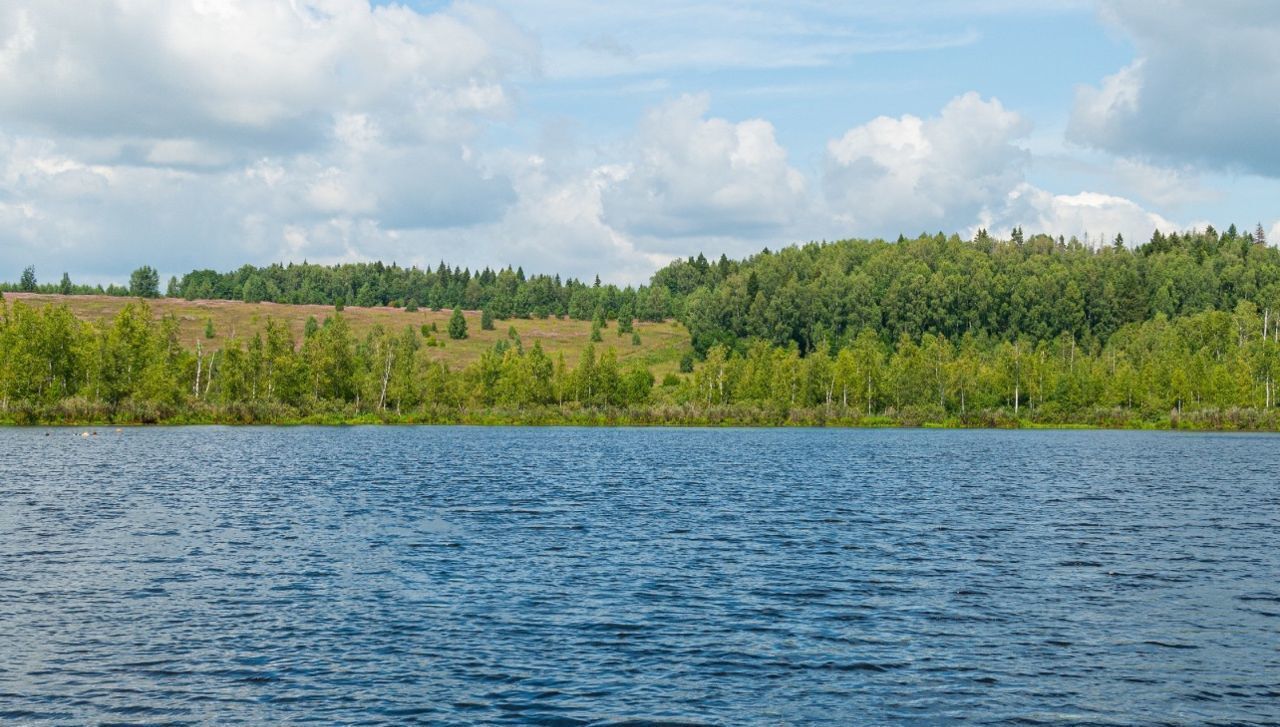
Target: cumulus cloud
(960,170)
(1205,87)
(1091,216)
(245,129)
(1169,186)
(249,74)
(692,175)
(908,173)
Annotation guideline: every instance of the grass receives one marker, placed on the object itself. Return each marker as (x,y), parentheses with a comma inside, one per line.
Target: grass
(661,344)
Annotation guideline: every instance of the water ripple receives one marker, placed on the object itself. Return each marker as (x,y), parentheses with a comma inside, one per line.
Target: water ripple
(638,577)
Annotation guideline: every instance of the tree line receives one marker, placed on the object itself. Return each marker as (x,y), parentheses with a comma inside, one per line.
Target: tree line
(56,367)
(1212,369)
(935,329)
(1038,288)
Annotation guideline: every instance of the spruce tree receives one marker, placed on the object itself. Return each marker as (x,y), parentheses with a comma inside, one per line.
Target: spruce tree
(635,339)
(486,319)
(210,333)
(27,283)
(457,325)
(65,286)
(595,333)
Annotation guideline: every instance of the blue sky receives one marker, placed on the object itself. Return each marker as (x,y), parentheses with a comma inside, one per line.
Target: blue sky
(585,137)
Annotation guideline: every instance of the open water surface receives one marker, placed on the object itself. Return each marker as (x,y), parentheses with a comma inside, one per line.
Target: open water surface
(572,576)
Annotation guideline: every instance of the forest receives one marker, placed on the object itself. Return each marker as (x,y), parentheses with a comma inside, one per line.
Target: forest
(1180,331)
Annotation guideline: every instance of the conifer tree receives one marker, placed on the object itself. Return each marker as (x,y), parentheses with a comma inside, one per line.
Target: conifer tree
(457,325)
(486,319)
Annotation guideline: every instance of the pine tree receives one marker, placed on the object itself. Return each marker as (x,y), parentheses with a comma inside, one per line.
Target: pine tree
(486,319)
(210,333)
(411,306)
(457,325)
(65,286)
(635,339)
(27,283)
(595,333)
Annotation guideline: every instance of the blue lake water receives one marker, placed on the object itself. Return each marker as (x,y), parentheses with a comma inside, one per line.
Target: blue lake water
(572,576)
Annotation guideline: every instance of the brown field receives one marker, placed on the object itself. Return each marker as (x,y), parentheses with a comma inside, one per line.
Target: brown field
(661,344)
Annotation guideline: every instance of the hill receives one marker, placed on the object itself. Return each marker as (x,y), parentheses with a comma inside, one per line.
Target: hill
(661,344)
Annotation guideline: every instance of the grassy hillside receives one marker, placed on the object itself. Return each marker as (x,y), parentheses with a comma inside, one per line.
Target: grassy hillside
(661,344)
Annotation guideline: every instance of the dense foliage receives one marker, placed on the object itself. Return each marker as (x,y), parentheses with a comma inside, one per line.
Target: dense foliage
(504,293)
(1182,329)
(55,367)
(825,295)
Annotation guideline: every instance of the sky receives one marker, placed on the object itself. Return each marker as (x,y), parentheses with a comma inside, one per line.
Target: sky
(588,138)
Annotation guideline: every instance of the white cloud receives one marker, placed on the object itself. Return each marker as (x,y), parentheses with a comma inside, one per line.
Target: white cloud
(691,175)
(892,175)
(1088,215)
(244,130)
(963,169)
(1205,87)
(1166,186)
(598,40)
(250,73)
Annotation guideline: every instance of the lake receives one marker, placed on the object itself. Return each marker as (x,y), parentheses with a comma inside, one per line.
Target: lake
(572,576)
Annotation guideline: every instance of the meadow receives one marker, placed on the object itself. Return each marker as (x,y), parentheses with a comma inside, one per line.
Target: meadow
(661,346)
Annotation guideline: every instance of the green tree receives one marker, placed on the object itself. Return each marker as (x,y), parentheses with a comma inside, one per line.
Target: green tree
(255,289)
(486,319)
(64,287)
(144,283)
(27,283)
(457,325)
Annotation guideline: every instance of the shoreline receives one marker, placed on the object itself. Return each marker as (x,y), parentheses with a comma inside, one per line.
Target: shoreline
(1243,422)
